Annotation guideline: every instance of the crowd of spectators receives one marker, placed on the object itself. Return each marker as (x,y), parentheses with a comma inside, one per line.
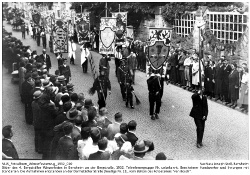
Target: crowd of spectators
(67,126)
(221,78)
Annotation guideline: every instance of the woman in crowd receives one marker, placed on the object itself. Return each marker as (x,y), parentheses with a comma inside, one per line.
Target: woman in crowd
(244,90)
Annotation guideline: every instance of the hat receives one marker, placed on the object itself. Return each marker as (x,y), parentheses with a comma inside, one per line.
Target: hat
(61,78)
(55,89)
(140,147)
(34,75)
(52,78)
(72,114)
(70,86)
(78,106)
(88,102)
(95,132)
(67,106)
(37,94)
(127,148)
(46,83)
(44,66)
(123,45)
(161,156)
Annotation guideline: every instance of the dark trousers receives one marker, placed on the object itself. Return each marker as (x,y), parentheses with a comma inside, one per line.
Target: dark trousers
(200,126)
(182,78)
(38,40)
(85,66)
(34,36)
(23,35)
(122,86)
(47,137)
(173,74)
(129,100)
(38,139)
(102,99)
(28,113)
(117,65)
(44,42)
(162,87)
(154,101)
(133,76)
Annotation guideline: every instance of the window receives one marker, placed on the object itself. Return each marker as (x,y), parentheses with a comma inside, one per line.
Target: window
(235,18)
(215,17)
(244,18)
(211,17)
(235,36)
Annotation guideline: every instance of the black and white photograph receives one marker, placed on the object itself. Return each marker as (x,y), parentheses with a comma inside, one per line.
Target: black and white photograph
(126,81)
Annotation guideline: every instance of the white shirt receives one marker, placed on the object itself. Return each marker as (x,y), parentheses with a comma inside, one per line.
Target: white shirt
(187,62)
(118,55)
(244,78)
(88,149)
(80,147)
(112,146)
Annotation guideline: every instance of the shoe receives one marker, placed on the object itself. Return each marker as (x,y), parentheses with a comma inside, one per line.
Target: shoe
(152,117)
(156,116)
(126,106)
(201,144)
(198,145)
(132,107)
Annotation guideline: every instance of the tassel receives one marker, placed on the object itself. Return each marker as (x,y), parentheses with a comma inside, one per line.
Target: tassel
(137,100)
(91,91)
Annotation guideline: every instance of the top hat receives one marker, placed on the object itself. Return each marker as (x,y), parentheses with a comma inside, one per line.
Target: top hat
(72,114)
(88,102)
(140,147)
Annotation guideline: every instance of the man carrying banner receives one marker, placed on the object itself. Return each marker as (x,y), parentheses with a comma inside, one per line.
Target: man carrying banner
(123,76)
(72,51)
(101,85)
(84,57)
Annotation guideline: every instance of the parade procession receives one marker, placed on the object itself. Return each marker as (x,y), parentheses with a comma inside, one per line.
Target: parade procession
(125,81)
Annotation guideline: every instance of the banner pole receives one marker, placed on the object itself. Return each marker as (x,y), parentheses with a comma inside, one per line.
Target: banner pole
(106,9)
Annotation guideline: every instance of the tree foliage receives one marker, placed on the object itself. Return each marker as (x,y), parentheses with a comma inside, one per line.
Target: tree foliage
(137,11)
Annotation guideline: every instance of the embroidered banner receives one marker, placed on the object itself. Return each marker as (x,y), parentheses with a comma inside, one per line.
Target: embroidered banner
(60,36)
(130,32)
(121,24)
(107,38)
(160,34)
(82,22)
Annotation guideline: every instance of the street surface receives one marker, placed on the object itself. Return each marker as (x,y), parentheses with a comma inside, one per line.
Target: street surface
(226,134)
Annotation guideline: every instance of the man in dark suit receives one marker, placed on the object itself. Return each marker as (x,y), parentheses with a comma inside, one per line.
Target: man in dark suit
(23,30)
(131,132)
(8,147)
(65,70)
(76,132)
(199,112)
(45,59)
(27,92)
(225,81)
(101,154)
(66,149)
(154,87)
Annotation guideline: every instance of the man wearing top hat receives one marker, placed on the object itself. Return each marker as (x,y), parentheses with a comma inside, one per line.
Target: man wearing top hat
(65,70)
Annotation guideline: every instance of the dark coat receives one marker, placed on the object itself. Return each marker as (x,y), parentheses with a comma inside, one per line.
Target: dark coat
(181,62)
(233,83)
(76,135)
(66,149)
(9,149)
(99,156)
(46,60)
(102,83)
(27,90)
(65,71)
(37,119)
(131,138)
(200,107)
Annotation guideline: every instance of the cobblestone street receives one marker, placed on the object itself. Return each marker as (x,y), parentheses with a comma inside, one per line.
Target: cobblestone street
(226,134)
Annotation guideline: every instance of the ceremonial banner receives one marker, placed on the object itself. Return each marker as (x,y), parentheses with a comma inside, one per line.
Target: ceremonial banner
(158,46)
(36,18)
(82,22)
(107,38)
(107,35)
(121,24)
(60,37)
